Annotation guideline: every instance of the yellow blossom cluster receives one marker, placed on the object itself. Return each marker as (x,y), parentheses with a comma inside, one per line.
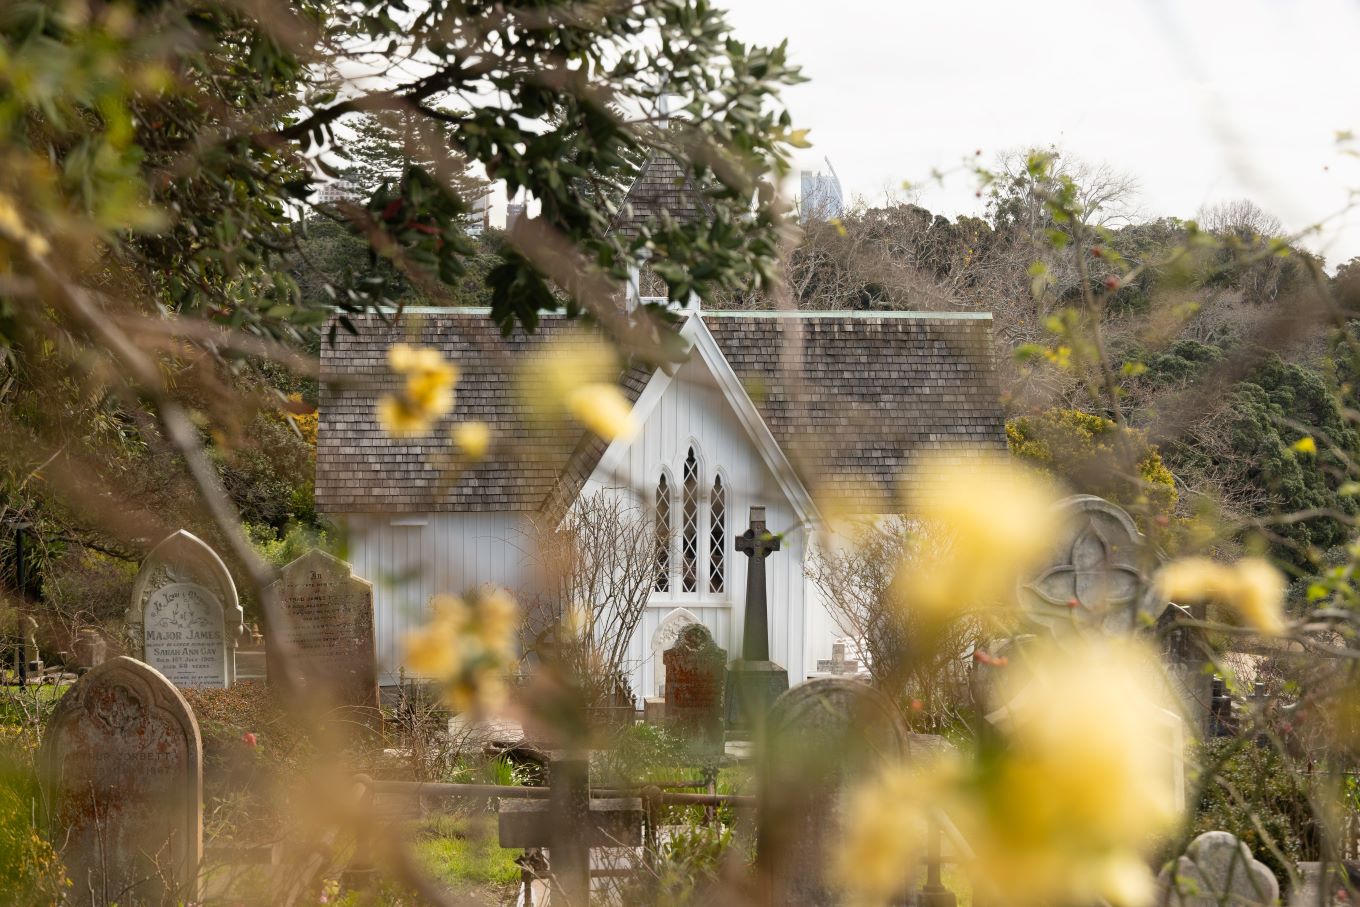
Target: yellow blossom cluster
(1252,588)
(1065,808)
(987,523)
(426,395)
(577,375)
(468,647)
(472,438)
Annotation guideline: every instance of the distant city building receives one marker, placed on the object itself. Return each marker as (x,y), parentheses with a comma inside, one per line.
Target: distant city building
(819,196)
(341,190)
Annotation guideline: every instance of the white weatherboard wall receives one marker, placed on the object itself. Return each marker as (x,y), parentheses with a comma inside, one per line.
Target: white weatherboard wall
(412,557)
(693,411)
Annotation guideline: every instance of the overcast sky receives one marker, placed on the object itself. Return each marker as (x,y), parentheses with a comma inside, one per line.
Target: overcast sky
(1200,100)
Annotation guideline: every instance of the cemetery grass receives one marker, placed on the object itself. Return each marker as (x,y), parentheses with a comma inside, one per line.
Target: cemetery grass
(461,851)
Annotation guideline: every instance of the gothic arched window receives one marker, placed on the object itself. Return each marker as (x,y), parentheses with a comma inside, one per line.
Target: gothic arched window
(689,527)
(717,536)
(663,535)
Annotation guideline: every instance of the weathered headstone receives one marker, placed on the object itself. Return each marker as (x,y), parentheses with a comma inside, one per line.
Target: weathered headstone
(90,648)
(1098,573)
(1216,869)
(667,632)
(185,614)
(838,664)
(695,674)
(123,773)
(322,636)
(754,681)
(822,734)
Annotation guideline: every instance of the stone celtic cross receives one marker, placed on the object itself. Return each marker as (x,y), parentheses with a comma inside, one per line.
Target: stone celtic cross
(757,543)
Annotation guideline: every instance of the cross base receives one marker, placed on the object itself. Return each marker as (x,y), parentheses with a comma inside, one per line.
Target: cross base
(752,687)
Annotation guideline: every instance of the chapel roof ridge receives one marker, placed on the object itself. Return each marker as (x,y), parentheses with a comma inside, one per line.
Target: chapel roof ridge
(866,314)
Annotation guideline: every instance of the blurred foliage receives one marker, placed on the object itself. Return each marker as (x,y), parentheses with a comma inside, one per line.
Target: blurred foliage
(1079,449)
(1258,795)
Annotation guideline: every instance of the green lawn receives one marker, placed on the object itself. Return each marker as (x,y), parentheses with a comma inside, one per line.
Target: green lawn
(462,851)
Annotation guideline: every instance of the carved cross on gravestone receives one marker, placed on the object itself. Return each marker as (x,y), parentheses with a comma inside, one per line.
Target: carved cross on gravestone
(1097,575)
(838,663)
(757,544)
(569,823)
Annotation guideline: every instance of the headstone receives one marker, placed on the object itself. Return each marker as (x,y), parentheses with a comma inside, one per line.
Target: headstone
(667,632)
(1216,869)
(185,615)
(322,636)
(823,734)
(754,681)
(90,648)
(838,663)
(1098,573)
(123,773)
(695,674)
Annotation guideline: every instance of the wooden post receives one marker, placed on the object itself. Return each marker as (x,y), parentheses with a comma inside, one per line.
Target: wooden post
(569,839)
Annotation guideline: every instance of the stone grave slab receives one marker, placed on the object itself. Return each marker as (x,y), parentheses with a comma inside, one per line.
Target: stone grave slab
(185,615)
(322,636)
(123,774)
(1217,868)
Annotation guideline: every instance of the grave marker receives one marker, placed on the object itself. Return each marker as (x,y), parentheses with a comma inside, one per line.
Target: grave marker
(185,615)
(838,664)
(323,637)
(695,674)
(822,734)
(754,681)
(1098,574)
(1216,869)
(123,773)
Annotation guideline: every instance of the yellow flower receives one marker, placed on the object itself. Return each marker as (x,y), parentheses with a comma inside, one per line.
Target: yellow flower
(473,439)
(1083,788)
(885,832)
(427,394)
(1305,445)
(984,524)
(1251,587)
(468,646)
(603,409)
(576,375)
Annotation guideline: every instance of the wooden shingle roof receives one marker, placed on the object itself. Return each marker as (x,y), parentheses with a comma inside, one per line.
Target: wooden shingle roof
(661,186)
(850,397)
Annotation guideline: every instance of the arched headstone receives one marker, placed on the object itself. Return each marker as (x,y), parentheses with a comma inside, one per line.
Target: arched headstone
(822,735)
(185,615)
(323,636)
(696,670)
(667,632)
(123,773)
(1098,574)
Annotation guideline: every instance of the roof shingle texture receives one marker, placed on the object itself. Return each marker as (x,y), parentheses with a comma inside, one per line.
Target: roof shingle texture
(854,398)
(851,399)
(661,186)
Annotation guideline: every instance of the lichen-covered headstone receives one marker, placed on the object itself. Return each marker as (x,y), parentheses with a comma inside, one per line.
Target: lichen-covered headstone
(185,615)
(696,673)
(123,773)
(823,735)
(1216,869)
(323,635)
(1098,572)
